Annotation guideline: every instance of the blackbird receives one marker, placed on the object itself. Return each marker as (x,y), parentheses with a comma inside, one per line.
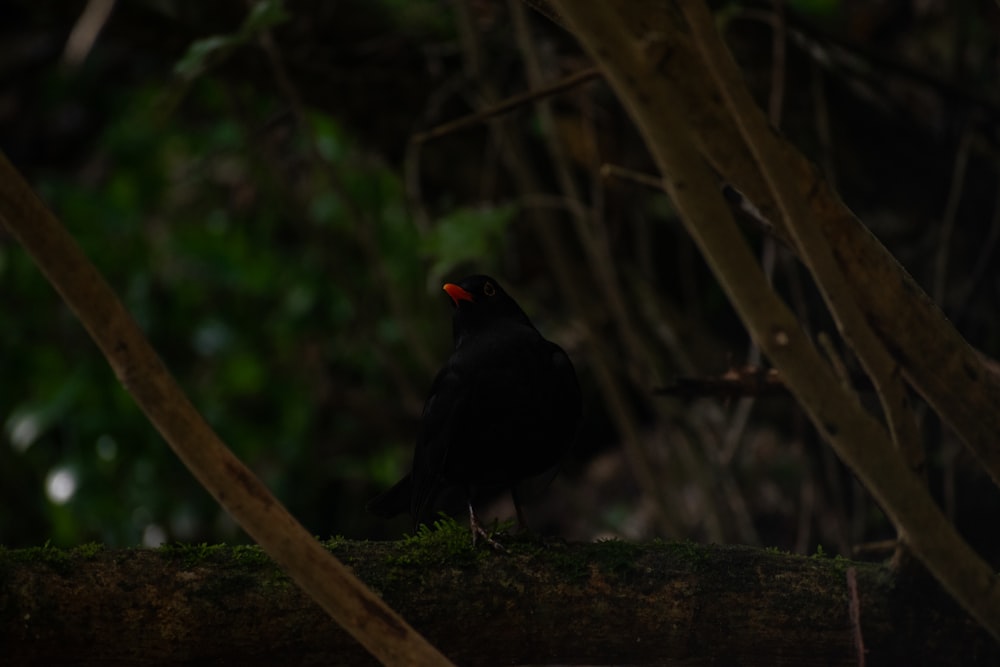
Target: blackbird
(504,410)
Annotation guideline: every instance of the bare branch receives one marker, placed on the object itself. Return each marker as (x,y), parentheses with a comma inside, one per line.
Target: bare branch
(359,611)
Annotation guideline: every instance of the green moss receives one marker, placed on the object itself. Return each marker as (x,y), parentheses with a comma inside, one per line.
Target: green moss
(58,559)
(245,567)
(568,565)
(87,551)
(617,557)
(191,555)
(842,564)
(689,553)
(250,554)
(445,542)
(334,542)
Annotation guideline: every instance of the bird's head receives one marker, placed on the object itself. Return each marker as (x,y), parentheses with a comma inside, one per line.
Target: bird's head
(479,301)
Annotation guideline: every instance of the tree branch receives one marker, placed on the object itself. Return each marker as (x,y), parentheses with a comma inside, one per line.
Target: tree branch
(813,248)
(230,482)
(934,357)
(633,68)
(606,603)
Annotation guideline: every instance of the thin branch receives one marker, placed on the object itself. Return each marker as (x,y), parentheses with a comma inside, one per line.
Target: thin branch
(632,176)
(824,133)
(85,31)
(836,363)
(854,609)
(984,262)
(955,191)
(509,104)
(779,40)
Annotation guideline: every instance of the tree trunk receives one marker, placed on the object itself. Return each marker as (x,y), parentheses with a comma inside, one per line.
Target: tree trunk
(606,603)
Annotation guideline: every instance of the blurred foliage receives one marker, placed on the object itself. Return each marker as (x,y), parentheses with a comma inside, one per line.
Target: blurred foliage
(243,176)
(463,236)
(261,17)
(262,263)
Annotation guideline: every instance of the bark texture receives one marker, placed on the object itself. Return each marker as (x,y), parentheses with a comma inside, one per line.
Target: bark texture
(552,603)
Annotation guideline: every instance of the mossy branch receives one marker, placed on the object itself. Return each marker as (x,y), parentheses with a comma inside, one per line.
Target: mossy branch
(606,603)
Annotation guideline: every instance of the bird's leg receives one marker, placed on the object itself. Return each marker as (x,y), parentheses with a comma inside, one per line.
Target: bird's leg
(478,530)
(522,524)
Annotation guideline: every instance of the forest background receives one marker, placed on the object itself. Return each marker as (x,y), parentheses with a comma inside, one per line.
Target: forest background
(251,179)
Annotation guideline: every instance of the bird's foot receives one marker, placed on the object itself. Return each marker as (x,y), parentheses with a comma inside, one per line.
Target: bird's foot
(478,531)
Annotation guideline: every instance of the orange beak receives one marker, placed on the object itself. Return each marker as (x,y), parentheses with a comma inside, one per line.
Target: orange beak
(457,293)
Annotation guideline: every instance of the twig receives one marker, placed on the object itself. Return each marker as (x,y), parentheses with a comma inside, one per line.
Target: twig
(84,34)
(508,104)
(824,133)
(955,190)
(839,369)
(976,277)
(855,613)
(734,383)
(779,38)
(615,171)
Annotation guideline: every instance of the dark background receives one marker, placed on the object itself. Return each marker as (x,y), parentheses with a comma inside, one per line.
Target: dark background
(243,174)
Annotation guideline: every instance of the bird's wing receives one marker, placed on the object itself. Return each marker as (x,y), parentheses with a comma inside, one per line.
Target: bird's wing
(498,394)
(432,444)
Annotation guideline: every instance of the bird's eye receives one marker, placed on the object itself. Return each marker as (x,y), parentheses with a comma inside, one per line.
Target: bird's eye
(489,289)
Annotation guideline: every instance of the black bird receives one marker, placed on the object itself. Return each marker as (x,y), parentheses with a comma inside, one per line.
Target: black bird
(504,410)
